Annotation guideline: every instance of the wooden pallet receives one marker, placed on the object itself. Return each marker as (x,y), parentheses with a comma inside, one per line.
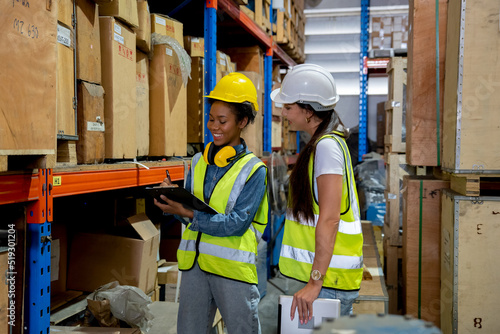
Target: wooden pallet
(394,106)
(261,15)
(473,184)
(20,162)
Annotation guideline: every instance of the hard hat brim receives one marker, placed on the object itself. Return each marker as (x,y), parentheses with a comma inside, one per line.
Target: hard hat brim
(277,97)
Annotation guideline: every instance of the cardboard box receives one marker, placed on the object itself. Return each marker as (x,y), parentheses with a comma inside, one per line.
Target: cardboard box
(28,52)
(90,148)
(124,10)
(143,33)
(223,61)
(118,55)
(168,273)
(164,25)
(65,81)
(168,104)
(88,52)
(97,259)
(247,58)
(195,46)
(196,102)
(142,112)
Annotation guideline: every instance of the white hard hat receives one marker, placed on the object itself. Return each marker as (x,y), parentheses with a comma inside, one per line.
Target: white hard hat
(310,84)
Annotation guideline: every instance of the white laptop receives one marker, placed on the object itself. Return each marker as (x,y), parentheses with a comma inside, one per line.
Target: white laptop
(322,310)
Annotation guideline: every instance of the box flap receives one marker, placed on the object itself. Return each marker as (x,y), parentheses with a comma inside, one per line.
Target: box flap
(143,226)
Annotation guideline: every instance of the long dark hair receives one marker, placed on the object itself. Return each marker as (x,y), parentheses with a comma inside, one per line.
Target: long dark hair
(300,183)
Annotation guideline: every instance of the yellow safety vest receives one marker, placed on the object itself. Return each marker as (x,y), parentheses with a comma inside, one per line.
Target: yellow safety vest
(233,257)
(345,271)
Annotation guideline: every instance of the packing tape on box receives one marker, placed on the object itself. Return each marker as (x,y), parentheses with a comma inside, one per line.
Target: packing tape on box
(184,58)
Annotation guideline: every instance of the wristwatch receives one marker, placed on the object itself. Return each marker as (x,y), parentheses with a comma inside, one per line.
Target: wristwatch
(316,275)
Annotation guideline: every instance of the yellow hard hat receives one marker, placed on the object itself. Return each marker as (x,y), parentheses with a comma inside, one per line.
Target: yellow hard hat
(237,88)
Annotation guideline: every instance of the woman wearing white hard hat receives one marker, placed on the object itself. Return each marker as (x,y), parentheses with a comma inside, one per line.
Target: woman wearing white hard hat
(322,242)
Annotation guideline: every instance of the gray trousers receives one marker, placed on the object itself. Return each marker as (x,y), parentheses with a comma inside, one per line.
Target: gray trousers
(202,293)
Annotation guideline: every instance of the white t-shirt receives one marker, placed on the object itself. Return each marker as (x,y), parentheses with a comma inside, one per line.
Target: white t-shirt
(328,159)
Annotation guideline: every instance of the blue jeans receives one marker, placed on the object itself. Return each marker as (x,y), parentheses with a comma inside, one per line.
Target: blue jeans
(346,298)
(202,293)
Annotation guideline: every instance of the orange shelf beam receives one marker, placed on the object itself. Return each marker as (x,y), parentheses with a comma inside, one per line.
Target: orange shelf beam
(19,188)
(81,182)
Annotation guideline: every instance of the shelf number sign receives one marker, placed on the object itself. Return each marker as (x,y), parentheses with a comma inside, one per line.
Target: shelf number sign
(57,181)
(25,29)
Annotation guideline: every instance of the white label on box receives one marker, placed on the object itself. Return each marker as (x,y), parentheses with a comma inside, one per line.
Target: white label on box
(63,36)
(118,29)
(195,40)
(375,271)
(169,51)
(396,104)
(161,21)
(95,126)
(223,62)
(203,61)
(392,196)
(119,39)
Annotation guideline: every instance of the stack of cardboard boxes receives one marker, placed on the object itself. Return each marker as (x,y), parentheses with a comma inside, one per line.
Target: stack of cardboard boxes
(389,32)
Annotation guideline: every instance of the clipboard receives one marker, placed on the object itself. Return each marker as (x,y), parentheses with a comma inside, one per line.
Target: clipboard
(181,195)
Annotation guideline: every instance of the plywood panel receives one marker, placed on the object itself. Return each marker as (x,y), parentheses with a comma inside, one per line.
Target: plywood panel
(421,246)
(477,110)
(195,101)
(470,262)
(421,114)
(88,56)
(28,77)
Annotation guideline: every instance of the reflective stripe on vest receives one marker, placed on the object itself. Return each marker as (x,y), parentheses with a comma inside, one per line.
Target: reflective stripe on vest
(298,250)
(232,257)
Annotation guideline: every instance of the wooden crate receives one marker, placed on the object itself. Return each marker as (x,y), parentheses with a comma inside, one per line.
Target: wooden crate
(28,75)
(373,296)
(469,263)
(260,14)
(421,245)
(421,113)
(396,169)
(196,102)
(88,52)
(394,106)
(471,113)
(393,275)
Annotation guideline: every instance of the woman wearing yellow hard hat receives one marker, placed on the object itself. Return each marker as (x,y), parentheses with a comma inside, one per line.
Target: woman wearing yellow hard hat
(322,242)
(217,253)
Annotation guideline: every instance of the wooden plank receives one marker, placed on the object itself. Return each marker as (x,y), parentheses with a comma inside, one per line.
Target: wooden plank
(88,52)
(392,264)
(195,102)
(477,112)
(394,106)
(469,263)
(421,113)
(142,112)
(66,152)
(421,246)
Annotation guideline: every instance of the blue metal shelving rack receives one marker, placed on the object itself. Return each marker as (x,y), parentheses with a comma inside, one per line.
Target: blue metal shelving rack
(363,78)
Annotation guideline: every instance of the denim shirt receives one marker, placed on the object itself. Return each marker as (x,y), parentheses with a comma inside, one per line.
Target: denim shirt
(239,219)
